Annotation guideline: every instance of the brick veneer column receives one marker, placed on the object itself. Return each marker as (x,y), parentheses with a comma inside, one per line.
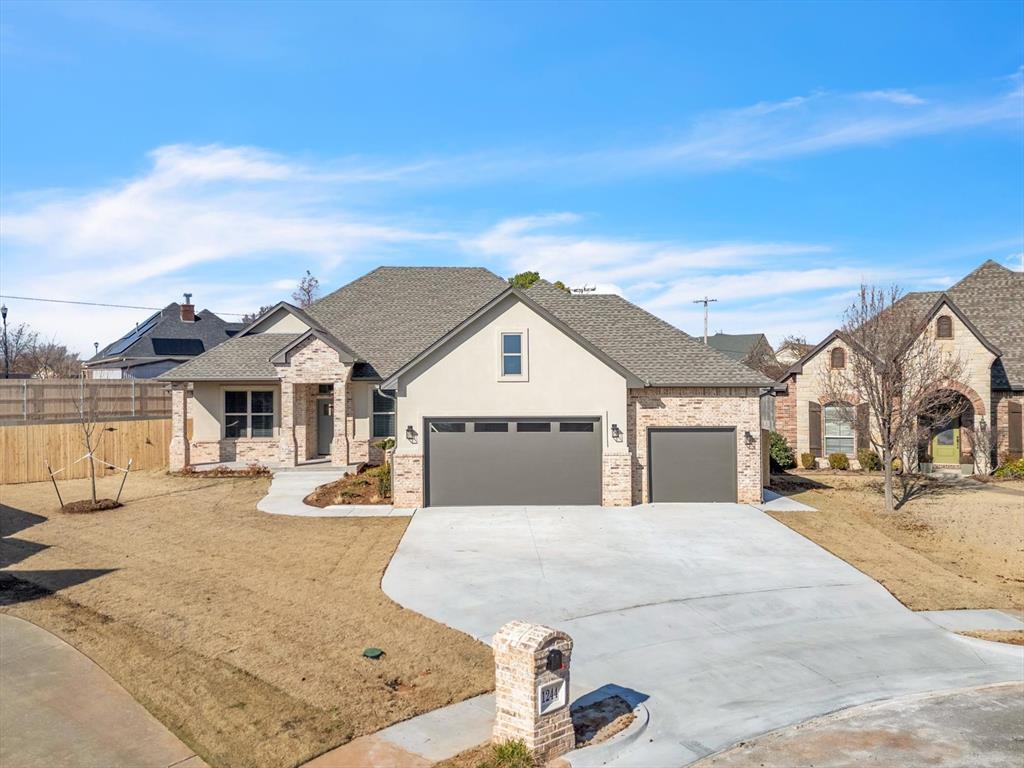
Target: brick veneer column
(520,668)
(342,399)
(616,480)
(178,451)
(407,482)
(287,449)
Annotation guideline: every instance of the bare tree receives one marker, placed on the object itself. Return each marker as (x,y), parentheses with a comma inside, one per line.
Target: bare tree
(307,290)
(50,360)
(250,317)
(16,345)
(96,405)
(897,371)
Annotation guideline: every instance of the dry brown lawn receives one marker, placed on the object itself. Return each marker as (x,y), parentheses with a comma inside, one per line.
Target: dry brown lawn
(240,631)
(947,547)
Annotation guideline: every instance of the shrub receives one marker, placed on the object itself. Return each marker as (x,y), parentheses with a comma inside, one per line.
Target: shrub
(780,453)
(509,754)
(383,474)
(838,461)
(1011,469)
(807,461)
(869,460)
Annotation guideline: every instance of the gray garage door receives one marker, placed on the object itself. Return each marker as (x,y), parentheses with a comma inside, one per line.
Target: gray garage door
(692,464)
(513,461)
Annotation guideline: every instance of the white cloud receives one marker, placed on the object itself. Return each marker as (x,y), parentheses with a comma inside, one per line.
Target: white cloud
(894,96)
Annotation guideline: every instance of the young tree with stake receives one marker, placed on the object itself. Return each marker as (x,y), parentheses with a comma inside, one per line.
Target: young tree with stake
(897,371)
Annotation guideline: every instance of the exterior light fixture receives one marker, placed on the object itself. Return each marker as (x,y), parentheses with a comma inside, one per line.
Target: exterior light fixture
(410,434)
(616,432)
(749,438)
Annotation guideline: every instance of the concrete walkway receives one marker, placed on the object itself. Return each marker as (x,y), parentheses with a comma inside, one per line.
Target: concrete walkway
(58,708)
(725,623)
(964,620)
(775,502)
(292,484)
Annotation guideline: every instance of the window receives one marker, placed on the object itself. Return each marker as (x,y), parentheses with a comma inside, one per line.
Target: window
(533,426)
(384,413)
(249,413)
(576,426)
(491,426)
(838,357)
(838,429)
(447,426)
(944,327)
(512,355)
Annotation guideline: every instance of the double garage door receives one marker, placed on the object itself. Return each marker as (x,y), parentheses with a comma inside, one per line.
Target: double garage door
(513,461)
(476,462)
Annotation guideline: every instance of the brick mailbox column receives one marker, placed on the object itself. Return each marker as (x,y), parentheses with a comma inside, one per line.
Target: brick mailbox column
(531,664)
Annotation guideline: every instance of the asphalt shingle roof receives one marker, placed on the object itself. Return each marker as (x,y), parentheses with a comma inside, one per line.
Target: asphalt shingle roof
(243,357)
(735,345)
(208,328)
(644,344)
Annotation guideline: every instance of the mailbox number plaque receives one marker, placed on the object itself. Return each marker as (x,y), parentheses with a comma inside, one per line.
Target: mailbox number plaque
(550,696)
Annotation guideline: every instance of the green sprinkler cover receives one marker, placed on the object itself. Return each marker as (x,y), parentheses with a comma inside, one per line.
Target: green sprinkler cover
(373,653)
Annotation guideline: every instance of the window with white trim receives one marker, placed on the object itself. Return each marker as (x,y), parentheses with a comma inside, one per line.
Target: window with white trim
(383,413)
(839,436)
(512,355)
(248,413)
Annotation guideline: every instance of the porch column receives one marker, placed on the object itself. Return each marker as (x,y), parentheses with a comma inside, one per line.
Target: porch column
(287,448)
(178,457)
(339,445)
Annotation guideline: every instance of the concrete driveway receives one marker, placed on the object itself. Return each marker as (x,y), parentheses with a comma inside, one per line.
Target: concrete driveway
(724,622)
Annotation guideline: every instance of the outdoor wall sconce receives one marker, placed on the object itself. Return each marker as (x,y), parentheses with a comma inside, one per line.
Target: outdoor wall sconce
(616,432)
(410,434)
(749,439)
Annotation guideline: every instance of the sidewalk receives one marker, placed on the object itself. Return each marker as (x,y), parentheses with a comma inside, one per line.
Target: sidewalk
(59,709)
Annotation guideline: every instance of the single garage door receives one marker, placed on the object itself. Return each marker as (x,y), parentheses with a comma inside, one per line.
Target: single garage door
(513,461)
(692,464)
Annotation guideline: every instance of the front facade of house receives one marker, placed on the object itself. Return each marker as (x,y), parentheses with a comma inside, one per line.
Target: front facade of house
(493,395)
(979,321)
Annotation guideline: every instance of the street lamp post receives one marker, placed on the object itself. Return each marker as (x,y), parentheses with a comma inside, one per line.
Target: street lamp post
(7,358)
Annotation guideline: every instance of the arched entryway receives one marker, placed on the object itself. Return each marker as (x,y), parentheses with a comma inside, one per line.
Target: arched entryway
(946,436)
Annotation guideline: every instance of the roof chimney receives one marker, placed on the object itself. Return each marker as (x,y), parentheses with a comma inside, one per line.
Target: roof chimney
(188,310)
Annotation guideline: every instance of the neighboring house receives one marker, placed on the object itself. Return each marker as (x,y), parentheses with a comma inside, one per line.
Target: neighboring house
(751,349)
(790,351)
(163,341)
(981,320)
(495,395)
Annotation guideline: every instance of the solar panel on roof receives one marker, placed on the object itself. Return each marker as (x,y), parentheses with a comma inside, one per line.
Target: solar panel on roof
(133,335)
(178,346)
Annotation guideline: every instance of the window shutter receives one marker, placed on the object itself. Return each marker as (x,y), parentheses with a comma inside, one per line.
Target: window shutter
(814,428)
(863,427)
(1015,430)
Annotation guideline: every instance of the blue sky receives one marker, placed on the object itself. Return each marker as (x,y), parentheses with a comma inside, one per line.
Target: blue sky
(770,155)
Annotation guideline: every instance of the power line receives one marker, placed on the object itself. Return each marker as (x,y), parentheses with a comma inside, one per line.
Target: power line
(99,304)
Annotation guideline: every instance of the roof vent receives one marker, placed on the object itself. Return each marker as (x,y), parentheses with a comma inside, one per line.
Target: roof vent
(188,310)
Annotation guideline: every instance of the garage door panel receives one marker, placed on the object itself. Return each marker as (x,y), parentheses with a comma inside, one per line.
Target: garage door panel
(481,465)
(692,464)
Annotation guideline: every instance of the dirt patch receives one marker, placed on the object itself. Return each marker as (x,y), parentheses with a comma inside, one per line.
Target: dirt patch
(949,546)
(1011,636)
(242,632)
(601,720)
(363,487)
(86,506)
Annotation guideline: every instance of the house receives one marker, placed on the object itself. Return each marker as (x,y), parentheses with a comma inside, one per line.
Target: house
(790,351)
(751,349)
(980,320)
(162,341)
(495,395)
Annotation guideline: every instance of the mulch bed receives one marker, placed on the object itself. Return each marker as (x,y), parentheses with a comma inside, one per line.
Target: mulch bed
(601,720)
(360,488)
(252,470)
(85,506)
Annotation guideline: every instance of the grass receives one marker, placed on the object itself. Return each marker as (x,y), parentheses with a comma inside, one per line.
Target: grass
(240,631)
(508,754)
(946,547)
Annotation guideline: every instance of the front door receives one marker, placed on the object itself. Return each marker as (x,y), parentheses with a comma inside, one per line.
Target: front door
(946,443)
(324,426)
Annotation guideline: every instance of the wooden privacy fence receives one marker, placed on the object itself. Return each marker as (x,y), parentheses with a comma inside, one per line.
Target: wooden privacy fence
(25,449)
(48,400)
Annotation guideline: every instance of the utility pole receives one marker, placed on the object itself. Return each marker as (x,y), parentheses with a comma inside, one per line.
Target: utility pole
(705,301)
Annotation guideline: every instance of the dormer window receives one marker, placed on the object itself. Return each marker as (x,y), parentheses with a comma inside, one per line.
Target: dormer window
(512,355)
(838,358)
(944,327)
